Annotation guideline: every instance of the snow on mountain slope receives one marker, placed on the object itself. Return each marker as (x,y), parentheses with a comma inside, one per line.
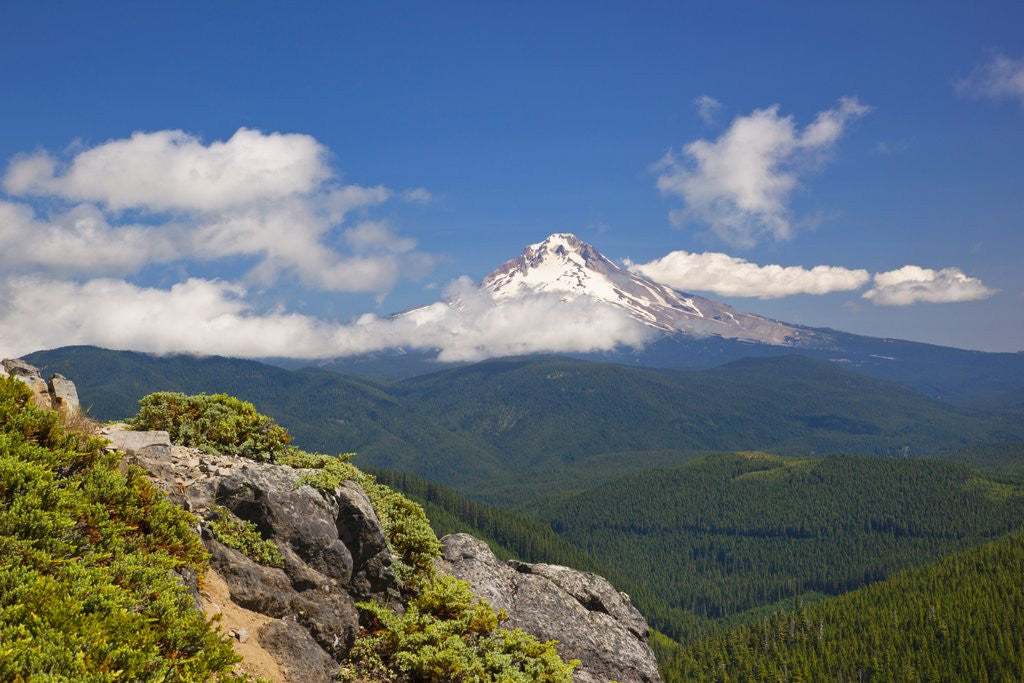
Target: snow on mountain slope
(563,264)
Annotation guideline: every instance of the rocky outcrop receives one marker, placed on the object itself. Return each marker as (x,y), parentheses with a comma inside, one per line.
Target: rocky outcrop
(63,394)
(59,393)
(592,621)
(333,546)
(298,621)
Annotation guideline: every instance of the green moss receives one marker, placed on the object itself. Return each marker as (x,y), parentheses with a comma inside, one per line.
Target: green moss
(87,560)
(244,536)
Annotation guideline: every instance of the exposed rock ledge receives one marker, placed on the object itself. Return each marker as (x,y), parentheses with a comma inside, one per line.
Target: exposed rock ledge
(335,555)
(591,620)
(334,549)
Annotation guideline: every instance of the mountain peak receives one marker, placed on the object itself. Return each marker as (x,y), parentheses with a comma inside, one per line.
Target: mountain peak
(561,238)
(565,265)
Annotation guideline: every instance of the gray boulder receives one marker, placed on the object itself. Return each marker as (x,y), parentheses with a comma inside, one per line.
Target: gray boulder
(298,653)
(59,393)
(335,555)
(29,374)
(334,549)
(592,621)
(63,394)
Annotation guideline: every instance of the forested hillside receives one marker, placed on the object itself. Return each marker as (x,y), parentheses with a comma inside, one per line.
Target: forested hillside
(511,536)
(727,534)
(959,619)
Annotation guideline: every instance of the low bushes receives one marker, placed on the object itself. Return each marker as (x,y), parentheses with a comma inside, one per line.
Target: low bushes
(87,560)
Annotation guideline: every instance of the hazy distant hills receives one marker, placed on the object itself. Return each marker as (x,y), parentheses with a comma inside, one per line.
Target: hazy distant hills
(493,425)
(938,371)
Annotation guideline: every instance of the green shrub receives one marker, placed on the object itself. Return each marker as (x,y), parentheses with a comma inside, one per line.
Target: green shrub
(87,560)
(446,634)
(244,536)
(216,423)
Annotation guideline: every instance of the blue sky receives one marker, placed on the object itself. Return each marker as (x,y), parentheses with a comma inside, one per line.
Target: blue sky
(468,130)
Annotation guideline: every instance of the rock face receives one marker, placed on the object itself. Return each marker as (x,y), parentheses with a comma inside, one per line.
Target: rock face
(334,549)
(59,393)
(63,394)
(592,621)
(29,374)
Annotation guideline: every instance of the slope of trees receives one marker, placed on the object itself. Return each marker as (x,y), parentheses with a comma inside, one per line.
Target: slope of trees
(961,618)
(732,533)
(511,536)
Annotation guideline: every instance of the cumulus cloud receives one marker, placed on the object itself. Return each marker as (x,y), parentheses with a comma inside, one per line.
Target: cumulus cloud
(731,276)
(80,241)
(271,197)
(214,317)
(1001,78)
(911,284)
(739,184)
(172,170)
(707,108)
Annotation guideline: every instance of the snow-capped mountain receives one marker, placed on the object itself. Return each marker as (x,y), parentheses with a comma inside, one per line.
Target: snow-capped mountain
(566,265)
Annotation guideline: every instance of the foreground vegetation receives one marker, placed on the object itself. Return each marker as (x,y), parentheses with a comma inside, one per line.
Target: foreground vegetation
(89,550)
(961,618)
(87,559)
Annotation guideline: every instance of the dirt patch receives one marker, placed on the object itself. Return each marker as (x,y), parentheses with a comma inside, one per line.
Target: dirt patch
(256,661)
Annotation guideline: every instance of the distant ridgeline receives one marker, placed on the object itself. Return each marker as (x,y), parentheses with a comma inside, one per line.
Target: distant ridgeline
(492,428)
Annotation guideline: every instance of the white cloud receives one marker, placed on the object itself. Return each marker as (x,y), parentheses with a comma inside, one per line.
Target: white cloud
(739,185)
(911,284)
(271,197)
(730,276)
(1001,78)
(707,108)
(213,317)
(370,235)
(79,241)
(172,170)
(418,195)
